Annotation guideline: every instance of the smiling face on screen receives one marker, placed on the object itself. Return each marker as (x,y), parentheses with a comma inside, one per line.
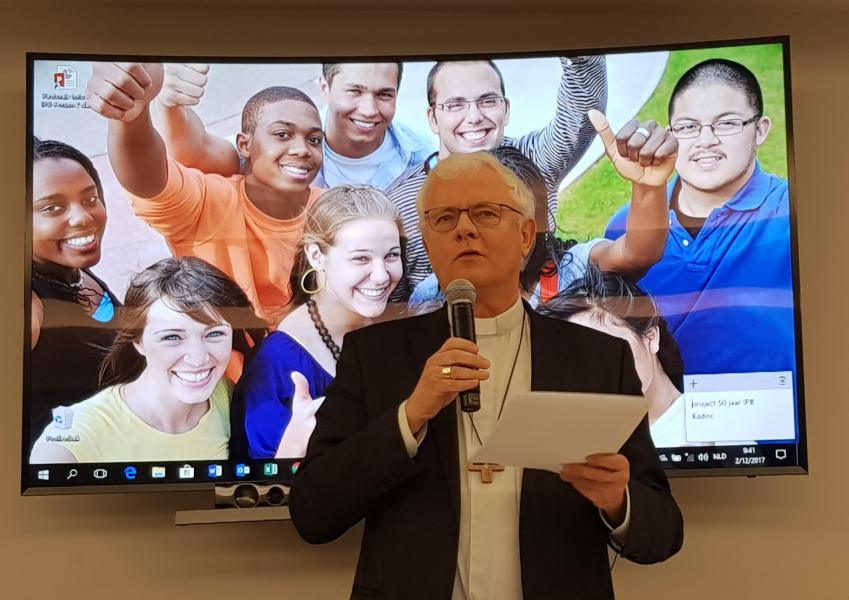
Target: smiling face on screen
(717,164)
(68,215)
(469,112)
(185,359)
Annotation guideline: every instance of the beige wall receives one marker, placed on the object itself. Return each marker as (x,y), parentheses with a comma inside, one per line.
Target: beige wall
(781,537)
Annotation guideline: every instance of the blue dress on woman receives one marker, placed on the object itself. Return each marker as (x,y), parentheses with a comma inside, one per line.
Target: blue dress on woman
(262,400)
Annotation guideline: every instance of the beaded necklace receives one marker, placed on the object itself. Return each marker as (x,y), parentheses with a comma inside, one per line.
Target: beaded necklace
(334,348)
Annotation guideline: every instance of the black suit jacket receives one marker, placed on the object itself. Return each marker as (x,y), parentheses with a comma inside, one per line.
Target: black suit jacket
(357,466)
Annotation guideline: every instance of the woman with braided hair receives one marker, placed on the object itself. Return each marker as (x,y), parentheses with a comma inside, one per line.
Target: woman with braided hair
(347,265)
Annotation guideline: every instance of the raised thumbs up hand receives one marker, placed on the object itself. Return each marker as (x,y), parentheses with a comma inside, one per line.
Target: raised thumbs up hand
(644,153)
(121,91)
(184,84)
(293,444)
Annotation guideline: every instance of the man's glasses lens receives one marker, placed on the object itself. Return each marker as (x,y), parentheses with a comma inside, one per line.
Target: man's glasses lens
(487,103)
(485,214)
(720,128)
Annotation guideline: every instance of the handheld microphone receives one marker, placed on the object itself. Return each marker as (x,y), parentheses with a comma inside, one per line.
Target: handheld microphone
(461,295)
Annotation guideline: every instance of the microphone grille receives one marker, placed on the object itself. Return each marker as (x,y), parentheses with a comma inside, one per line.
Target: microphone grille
(460,290)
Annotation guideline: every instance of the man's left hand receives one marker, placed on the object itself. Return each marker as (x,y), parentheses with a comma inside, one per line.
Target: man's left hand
(602,480)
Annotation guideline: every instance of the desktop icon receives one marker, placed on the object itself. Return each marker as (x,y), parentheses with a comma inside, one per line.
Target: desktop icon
(243,470)
(186,472)
(295,466)
(130,473)
(64,78)
(214,471)
(63,417)
(676,457)
(44,474)
(72,474)
(663,458)
(781,453)
(100,473)
(157,472)
(269,469)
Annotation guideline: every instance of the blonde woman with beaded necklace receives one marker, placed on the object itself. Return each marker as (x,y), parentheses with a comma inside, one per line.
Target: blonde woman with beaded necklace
(347,266)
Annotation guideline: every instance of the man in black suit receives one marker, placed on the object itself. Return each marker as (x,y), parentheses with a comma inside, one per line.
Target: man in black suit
(391,446)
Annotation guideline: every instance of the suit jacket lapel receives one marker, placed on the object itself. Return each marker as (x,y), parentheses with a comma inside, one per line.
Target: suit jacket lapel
(429,333)
(548,354)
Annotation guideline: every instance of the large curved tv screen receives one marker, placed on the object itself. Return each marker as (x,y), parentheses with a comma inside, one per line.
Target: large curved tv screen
(204,231)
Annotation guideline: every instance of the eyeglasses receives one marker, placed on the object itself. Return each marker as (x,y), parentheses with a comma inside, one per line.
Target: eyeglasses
(462,105)
(483,214)
(723,127)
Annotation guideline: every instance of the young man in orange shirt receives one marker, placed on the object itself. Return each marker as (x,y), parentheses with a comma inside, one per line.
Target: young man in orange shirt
(247,225)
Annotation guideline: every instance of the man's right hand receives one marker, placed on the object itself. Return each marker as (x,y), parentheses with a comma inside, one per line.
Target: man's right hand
(122,91)
(437,388)
(646,159)
(184,84)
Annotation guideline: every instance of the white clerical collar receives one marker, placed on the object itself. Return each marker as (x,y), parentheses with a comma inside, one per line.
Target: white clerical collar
(501,324)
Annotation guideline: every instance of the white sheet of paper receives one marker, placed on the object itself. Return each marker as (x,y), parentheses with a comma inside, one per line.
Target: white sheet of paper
(544,430)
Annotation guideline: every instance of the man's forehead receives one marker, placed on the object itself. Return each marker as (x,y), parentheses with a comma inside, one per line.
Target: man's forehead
(468,187)
(367,75)
(466,77)
(712,99)
(297,112)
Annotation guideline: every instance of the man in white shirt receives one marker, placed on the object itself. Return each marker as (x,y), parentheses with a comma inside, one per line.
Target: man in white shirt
(391,445)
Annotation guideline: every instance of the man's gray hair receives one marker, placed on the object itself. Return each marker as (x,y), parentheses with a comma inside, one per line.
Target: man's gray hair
(460,165)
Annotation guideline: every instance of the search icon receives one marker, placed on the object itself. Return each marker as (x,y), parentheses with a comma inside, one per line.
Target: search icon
(72,473)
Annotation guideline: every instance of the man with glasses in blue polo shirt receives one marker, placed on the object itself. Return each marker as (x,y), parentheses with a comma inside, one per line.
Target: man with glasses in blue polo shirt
(724,283)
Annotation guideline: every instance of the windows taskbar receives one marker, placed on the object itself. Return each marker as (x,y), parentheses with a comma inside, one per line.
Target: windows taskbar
(207,473)
(163,472)
(752,456)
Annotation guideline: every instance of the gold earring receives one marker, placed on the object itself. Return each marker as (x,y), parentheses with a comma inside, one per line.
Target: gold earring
(303,282)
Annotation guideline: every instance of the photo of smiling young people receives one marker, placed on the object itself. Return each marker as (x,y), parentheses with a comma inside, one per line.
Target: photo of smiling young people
(241,203)
(72,310)
(247,225)
(363,143)
(348,264)
(168,398)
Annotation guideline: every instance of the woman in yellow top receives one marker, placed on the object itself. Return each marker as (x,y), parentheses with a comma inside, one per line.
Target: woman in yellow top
(169,399)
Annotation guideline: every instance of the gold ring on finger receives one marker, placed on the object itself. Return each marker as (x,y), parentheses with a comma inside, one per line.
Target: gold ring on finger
(446,372)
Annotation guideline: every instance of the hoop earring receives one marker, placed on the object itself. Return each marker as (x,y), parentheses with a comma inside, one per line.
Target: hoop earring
(303,282)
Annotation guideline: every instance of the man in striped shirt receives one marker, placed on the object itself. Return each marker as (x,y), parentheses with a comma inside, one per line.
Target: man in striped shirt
(468,110)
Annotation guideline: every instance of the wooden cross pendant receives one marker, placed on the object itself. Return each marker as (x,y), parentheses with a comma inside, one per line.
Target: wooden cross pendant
(487,470)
